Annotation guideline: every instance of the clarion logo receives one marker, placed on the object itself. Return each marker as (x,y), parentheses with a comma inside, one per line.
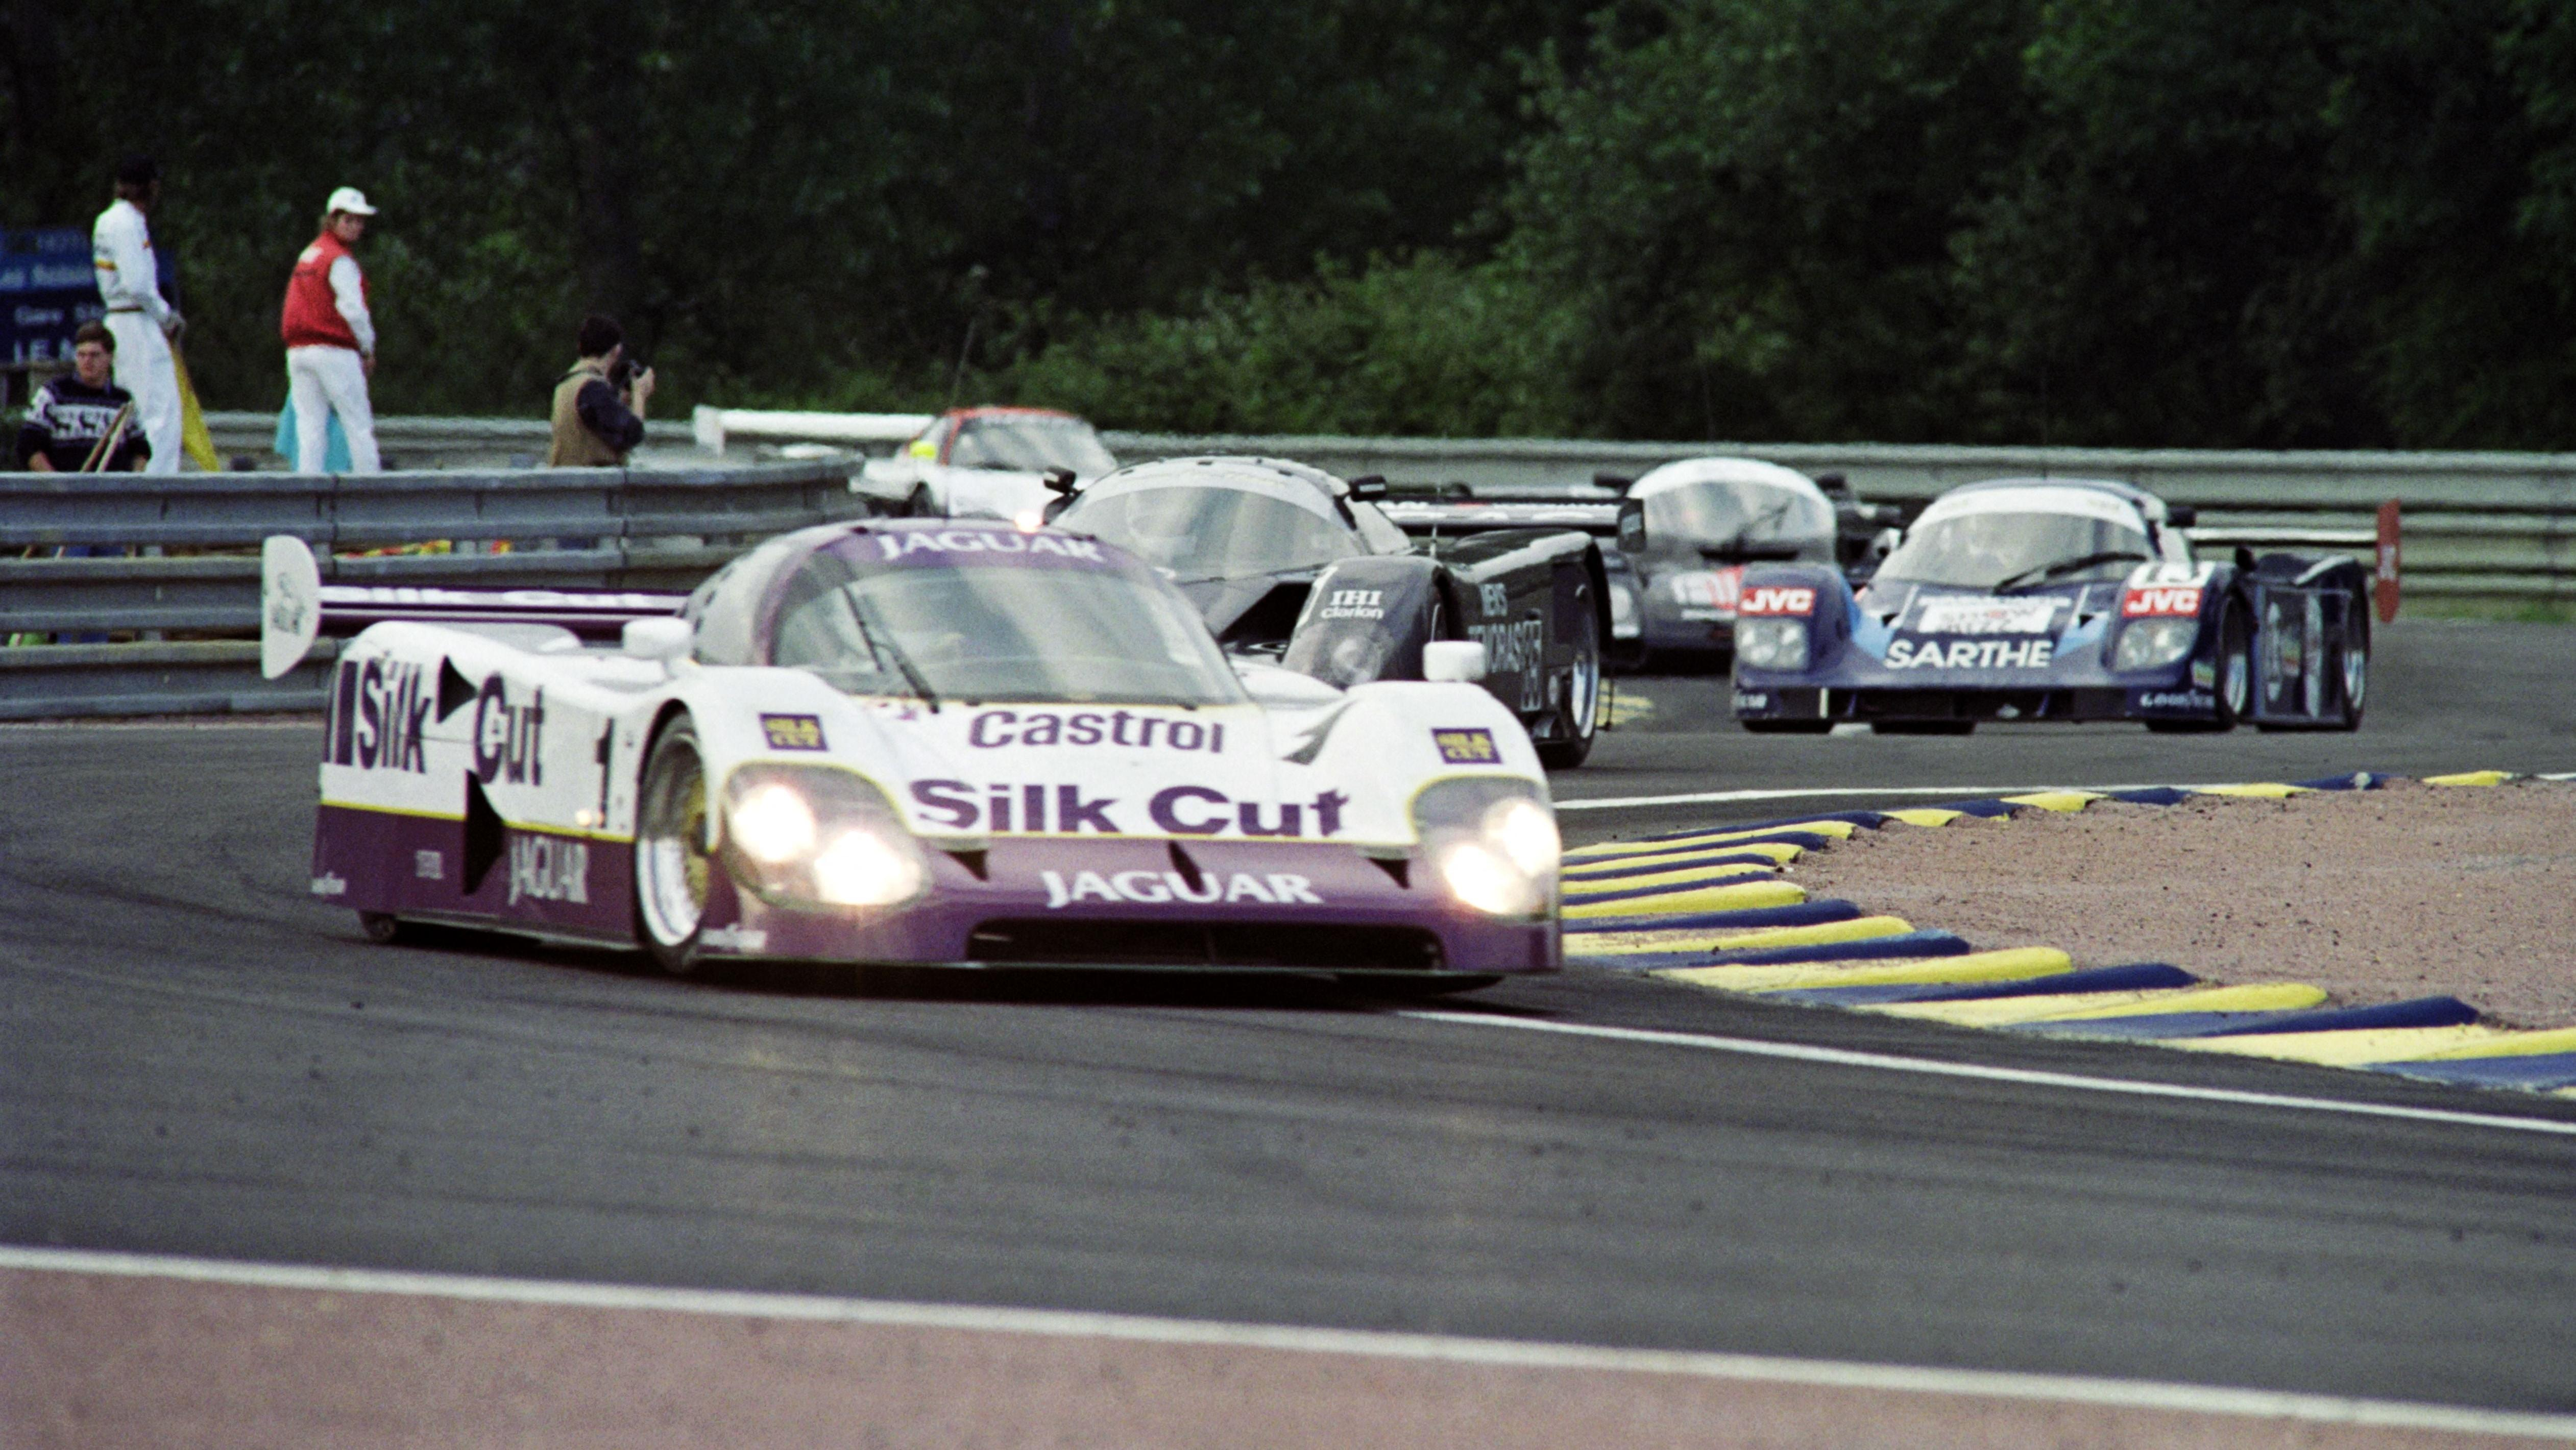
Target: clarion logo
(1773,599)
(1154,888)
(2180,600)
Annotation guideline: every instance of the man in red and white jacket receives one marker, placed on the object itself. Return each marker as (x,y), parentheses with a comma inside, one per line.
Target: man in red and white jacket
(330,339)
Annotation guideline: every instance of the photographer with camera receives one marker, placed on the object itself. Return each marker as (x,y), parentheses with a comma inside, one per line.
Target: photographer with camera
(599,405)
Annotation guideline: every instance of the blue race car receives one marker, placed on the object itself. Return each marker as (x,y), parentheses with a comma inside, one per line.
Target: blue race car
(2054,599)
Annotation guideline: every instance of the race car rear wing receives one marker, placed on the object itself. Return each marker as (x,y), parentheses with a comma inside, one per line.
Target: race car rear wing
(1477,517)
(296,607)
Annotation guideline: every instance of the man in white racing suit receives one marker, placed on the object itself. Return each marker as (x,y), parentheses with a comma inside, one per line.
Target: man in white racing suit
(121,253)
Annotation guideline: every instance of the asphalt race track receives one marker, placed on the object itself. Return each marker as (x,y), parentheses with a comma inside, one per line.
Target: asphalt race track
(201,1060)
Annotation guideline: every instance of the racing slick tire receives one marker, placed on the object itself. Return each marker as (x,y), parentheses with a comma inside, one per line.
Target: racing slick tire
(383,929)
(676,876)
(1923,727)
(2235,690)
(1818,726)
(2352,658)
(1578,717)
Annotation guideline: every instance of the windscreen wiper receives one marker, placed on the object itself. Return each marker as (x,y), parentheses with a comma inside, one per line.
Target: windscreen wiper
(2045,572)
(885,647)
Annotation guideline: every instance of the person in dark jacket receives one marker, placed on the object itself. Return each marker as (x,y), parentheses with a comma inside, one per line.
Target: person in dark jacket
(69,416)
(596,421)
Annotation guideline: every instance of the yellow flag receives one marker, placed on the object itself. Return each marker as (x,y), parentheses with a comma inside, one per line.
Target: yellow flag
(194,439)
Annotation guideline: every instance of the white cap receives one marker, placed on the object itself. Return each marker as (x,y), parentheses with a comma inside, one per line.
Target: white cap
(350,200)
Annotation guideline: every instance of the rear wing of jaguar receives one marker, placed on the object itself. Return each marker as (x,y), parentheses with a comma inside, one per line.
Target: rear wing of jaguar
(296,607)
(1476,517)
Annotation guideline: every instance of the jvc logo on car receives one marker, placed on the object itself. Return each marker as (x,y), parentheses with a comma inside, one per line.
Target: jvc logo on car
(507,737)
(549,868)
(1775,599)
(2184,601)
(378,711)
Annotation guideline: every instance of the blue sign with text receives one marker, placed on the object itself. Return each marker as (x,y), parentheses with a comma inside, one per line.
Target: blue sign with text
(47,291)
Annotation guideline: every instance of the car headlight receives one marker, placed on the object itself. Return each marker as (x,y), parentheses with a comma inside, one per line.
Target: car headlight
(1771,644)
(1491,844)
(2148,643)
(815,836)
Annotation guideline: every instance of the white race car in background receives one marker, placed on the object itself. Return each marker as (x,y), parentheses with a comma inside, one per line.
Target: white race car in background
(920,742)
(992,463)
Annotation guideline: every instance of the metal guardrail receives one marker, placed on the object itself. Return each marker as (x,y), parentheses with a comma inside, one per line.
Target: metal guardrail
(591,528)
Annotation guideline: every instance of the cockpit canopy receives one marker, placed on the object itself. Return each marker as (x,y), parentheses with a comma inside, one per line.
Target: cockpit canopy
(2018,534)
(1224,518)
(954,610)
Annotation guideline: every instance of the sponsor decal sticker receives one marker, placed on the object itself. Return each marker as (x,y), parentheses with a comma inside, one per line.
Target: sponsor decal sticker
(984,541)
(2204,673)
(1155,888)
(1752,700)
(429,865)
(2177,700)
(734,938)
(994,729)
(2181,600)
(793,732)
(1467,747)
(379,710)
(1971,654)
(1967,614)
(508,739)
(1778,599)
(1042,808)
(1713,589)
(329,883)
(1515,649)
(549,868)
(1354,604)
(1495,598)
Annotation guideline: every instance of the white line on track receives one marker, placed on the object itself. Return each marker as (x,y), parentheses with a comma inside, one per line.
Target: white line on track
(1719,797)
(1886,1062)
(2075,1389)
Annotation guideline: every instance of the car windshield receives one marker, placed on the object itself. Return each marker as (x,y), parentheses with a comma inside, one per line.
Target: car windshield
(1200,531)
(1725,511)
(1030,443)
(1982,550)
(995,630)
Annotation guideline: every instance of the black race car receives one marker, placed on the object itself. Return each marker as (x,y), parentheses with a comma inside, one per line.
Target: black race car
(1291,563)
(2055,599)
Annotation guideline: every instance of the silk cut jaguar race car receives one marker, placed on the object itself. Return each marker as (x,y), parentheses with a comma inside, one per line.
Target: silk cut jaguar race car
(1289,563)
(2026,599)
(918,742)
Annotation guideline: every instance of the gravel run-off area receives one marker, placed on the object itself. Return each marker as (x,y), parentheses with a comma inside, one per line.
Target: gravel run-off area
(2404,891)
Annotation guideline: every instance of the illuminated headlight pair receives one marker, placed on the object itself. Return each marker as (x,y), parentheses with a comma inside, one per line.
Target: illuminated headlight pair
(1771,644)
(1491,844)
(2147,643)
(819,837)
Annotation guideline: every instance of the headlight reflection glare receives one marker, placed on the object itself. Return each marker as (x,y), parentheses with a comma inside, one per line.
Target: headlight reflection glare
(774,824)
(1480,877)
(1490,843)
(1527,834)
(860,869)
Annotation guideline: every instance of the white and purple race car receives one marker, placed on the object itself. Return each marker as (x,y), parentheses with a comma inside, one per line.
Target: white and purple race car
(925,742)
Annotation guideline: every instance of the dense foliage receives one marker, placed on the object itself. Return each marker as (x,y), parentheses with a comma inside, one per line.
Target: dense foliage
(2187,222)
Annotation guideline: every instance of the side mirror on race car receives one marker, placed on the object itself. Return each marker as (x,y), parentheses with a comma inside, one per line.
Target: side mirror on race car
(657,639)
(290,603)
(1370,486)
(1060,480)
(1460,661)
(2181,515)
(1884,544)
(1632,526)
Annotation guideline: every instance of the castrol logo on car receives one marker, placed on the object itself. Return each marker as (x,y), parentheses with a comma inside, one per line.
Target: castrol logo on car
(2161,600)
(1777,599)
